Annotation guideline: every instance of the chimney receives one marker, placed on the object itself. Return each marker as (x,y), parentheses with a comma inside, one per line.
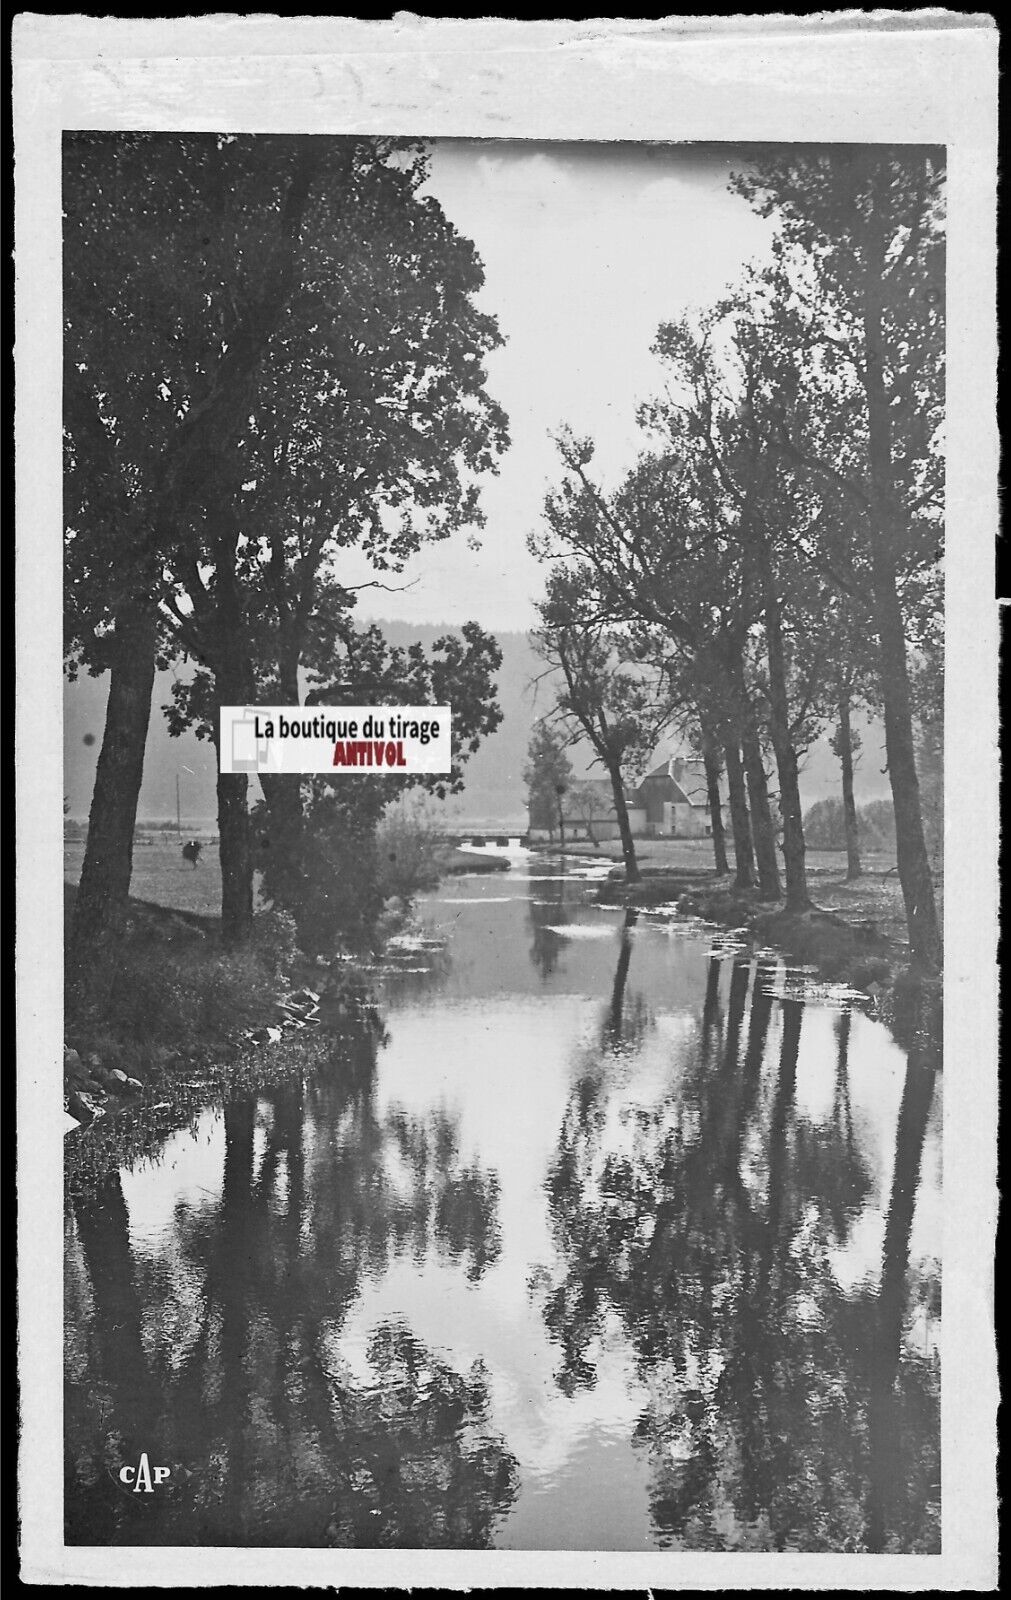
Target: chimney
(677,769)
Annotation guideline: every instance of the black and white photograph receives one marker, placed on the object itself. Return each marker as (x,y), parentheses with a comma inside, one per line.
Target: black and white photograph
(546,1152)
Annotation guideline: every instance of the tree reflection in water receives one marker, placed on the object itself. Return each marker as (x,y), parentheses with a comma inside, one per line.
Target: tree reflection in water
(234,1372)
(627,1017)
(546,910)
(708,1226)
(784,1412)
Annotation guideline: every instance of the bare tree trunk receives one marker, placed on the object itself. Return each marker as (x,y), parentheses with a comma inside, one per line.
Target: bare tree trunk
(910,843)
(234,841)
(797,897)
(911,847)
(236,859)
(740,823)
(282,791)
(632,874)
(209,432)
(233,686)
(711,761)
(763,831)
(100,907)
(844,746)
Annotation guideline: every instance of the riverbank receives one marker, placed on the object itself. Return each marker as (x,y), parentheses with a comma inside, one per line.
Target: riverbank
(452,861)
(853,936)
(180,1014)
(187,1021)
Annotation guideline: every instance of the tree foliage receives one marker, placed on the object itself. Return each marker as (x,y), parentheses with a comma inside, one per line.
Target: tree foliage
(329,874)
(774,554)
(547,774)
(280,359)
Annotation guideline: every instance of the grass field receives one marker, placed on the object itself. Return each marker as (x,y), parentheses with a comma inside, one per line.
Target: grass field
(161,875)
(698,854)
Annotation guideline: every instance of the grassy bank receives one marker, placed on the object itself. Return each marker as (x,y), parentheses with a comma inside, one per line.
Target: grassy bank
(186,1020)
(187,1023)
(177,992)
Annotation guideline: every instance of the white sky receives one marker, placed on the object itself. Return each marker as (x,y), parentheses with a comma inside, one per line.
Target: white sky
(587,249)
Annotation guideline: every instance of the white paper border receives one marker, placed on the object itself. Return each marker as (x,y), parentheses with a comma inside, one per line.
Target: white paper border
(909,77)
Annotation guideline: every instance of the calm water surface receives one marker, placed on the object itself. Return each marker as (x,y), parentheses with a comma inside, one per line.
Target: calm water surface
(607,1236)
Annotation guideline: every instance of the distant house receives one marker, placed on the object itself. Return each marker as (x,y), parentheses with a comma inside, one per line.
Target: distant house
(671,802)
(675,802)
(588,812)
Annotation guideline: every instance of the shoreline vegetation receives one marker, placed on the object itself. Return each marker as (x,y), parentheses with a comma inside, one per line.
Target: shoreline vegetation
(853,933)
(189,1021)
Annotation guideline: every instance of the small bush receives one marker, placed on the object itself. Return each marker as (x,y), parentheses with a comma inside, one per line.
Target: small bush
(275,940)
(393,919)
(873,969)
(326,876)
(877,825)
(175,997)
(825,825)
(231,992)
(913,1009)
(410,850)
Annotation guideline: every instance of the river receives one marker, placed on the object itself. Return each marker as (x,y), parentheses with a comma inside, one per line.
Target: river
(604,1234)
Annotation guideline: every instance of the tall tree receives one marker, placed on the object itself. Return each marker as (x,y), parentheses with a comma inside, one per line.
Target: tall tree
(656,559)
(168,309)
(862,232)
(713,764)
(618,710)
(369,428)
(547,774)
(730,384)
(589,804)
(326,389)
(846,743)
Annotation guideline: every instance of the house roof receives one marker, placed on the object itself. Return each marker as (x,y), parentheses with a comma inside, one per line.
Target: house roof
(674,791)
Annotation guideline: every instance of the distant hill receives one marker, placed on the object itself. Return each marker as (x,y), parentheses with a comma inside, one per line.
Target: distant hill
(494,777)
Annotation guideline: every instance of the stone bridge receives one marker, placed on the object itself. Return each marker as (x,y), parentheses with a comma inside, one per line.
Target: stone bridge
(482,837)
